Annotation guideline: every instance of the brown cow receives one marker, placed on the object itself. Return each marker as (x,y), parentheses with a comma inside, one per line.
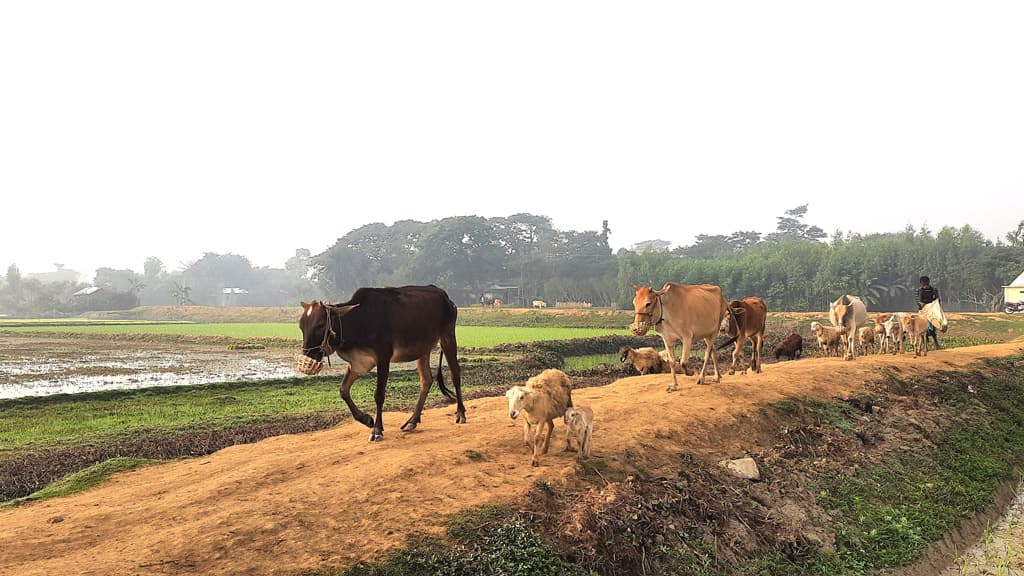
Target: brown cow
(745,323)
(681,313)
(916,327)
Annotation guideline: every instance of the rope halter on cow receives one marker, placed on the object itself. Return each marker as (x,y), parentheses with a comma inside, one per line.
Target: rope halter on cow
(640,328)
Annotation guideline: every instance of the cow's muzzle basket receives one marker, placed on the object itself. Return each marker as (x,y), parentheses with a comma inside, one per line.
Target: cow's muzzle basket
(307,365)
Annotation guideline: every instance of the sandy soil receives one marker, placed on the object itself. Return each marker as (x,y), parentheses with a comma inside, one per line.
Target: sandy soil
(330,498)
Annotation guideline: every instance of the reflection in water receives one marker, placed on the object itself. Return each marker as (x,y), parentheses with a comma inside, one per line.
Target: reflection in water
(27,376)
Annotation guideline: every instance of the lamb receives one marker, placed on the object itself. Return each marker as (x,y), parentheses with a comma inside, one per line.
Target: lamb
(866,337)
(580,421)
(545,397)
(646,360)
(666,362)
(829,338)
(791,346)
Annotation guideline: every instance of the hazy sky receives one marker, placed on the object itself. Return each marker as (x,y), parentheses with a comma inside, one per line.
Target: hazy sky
(168,129)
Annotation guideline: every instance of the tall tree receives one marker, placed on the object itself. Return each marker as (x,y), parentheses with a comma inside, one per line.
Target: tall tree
(791,225)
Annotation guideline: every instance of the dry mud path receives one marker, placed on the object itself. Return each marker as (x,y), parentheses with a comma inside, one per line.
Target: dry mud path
(330,498)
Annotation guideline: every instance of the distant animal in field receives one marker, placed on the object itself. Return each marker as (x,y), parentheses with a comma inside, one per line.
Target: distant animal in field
(580,421)
(792,346)
(646,360)
(539,304)
(544,398)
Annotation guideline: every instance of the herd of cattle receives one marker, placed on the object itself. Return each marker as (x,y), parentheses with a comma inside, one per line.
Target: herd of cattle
(378,326)
(682,313)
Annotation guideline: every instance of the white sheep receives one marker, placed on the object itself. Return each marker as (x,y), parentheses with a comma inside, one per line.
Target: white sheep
(580,421)
(646,360)
(829,338)
(545,397)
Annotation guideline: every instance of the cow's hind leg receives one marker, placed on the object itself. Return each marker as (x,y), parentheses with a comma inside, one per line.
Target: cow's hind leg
(709,353)
(423,367)
(449,348)
(346,385)
(383,370)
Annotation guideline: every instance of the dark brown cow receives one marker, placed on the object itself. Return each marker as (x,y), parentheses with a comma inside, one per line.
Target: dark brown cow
(745,323)
(376,327)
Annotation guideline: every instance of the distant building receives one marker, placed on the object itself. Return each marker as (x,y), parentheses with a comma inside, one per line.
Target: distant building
(233,296)
(1014,293)
(87,291)
(507,295)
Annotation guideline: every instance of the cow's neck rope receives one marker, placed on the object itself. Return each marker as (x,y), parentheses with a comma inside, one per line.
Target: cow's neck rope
(651,314)
(327,333)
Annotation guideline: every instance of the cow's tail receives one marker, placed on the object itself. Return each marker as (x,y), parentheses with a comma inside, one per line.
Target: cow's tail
(735,321)
(726,343)
(440,379)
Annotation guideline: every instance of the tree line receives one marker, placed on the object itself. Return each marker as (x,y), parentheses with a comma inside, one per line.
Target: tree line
(797,267)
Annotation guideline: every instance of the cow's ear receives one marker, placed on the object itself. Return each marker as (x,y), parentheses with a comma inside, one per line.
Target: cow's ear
(304,305)
(738,310)
(342,310)
(635,287)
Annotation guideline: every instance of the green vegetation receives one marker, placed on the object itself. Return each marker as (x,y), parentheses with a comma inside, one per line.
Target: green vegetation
(887,516)
(489,540)
(99,416)
(468,336)
(84,479)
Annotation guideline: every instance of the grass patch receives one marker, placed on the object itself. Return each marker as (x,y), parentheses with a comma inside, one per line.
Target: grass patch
(468,336)
(886,517)
(488,540)
(84,479)
(98,416)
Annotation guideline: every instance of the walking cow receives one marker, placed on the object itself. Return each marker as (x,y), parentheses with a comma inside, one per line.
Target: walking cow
(848,313)
(376,327)
(681,312)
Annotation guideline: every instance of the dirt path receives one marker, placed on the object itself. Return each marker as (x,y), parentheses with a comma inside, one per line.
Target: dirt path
(330,498)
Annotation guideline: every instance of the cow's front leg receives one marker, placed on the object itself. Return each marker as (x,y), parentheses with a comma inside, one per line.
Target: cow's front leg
(383,368)
(346,385)
(683,357)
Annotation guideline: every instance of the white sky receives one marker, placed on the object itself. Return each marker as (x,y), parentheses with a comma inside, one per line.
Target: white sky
(169,129)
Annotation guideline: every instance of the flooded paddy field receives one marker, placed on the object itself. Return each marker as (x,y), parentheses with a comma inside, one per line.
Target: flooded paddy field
(40,366)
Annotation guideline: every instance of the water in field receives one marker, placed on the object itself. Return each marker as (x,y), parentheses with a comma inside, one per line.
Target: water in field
(31,367)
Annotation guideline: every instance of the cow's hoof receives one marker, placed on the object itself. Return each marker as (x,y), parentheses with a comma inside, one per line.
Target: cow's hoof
(534,463)
(671,388)
(460,418)
(409,426)
(376,436)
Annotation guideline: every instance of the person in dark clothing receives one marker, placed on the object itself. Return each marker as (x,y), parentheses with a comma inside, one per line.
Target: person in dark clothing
(926,294)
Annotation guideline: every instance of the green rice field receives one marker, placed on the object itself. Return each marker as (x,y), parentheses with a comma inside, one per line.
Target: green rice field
(468,336)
